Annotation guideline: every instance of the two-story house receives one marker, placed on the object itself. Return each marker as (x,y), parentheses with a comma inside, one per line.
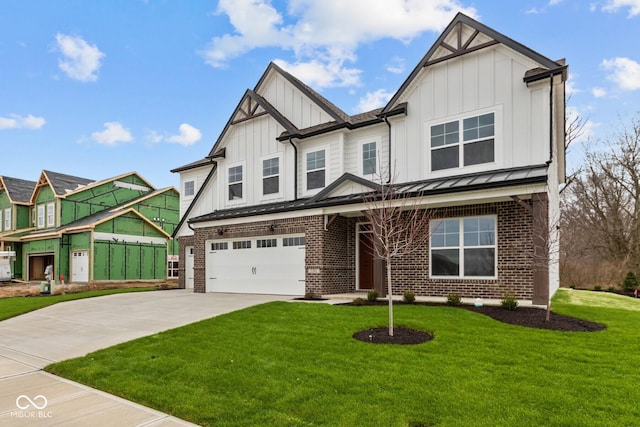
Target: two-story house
(117,229)
(475,135)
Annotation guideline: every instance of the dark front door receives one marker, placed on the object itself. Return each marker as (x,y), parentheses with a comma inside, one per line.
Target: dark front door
(365,261)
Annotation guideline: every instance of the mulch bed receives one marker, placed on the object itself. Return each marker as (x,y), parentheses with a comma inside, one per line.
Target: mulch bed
(529,317)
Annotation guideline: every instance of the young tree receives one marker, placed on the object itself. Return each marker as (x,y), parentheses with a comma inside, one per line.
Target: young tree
(399,225)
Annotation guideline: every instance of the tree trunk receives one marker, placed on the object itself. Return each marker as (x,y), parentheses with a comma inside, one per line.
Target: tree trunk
(390,296)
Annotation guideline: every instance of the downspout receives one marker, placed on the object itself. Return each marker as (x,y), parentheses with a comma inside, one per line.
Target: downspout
(386,120)
(551,119)
(295,169)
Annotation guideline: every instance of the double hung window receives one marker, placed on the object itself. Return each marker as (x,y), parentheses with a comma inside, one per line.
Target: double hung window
(316,169)
(464,142)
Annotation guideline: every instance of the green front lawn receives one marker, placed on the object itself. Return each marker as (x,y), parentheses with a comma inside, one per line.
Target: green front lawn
(15,306)
(295,364)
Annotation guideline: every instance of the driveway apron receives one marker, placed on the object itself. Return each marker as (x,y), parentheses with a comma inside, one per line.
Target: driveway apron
(28,343)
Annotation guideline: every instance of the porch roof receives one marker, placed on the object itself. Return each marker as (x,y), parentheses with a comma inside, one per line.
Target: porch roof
(478,181)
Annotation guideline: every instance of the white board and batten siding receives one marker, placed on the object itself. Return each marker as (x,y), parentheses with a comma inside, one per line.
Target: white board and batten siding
(292,103)
(489,80)
(259,265)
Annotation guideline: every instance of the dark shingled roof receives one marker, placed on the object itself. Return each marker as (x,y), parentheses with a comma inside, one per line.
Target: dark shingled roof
(193,165)
(19,190)
(423,188)
(62,184)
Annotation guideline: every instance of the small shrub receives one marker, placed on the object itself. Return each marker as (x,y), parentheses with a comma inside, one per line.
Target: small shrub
(612,289)
(409,297)
(453,299)
(509,301)
(572,286)
(597,288)
(630,282)
(359,301)
(372,296)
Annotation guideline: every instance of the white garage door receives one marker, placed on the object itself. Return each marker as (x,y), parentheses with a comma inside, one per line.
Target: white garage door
(261,265)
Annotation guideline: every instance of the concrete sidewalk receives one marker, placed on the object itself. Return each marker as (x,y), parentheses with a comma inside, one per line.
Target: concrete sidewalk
(29,396)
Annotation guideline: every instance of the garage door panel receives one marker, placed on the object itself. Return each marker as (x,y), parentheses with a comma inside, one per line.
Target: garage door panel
(275,269)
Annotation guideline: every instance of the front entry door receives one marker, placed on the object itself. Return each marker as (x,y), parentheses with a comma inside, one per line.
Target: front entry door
(365,259)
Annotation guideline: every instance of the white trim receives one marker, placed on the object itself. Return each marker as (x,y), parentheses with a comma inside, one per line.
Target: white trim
(244,181)
(51,215)
(361,144)
(498,143)
(40,216)
(193,190)
(261,178)
(327,169)
(130,186)
(7,219)
(128,238)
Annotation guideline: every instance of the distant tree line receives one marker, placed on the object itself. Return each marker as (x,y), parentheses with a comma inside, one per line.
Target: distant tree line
(600,205)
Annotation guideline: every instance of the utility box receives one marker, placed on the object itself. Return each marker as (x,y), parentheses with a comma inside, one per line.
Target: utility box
(6,259)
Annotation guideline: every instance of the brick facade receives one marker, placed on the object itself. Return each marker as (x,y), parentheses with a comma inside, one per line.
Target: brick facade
(331,254)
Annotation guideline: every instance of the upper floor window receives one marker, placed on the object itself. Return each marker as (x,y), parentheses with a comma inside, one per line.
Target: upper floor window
(316,169)
(50,215)
(271,176)
(463,247)
(369,160)
(40,216)
(7,219)
(235,182)
(476,145)
(189,188)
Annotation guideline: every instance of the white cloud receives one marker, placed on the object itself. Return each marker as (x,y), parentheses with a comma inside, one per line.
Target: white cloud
(112,134)
(598,92)
(79,61)
(188,135)
(324,35)
(625,72)
(555,2)
(15,121)
(321,74)
(615,5)
(373,100)
(396,65)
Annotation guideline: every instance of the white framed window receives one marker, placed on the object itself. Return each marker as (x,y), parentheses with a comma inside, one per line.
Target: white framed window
(235,182)
(40,222)
(7,219)
(463,142)
(315,169)
(463,247)
(271,176)
(51,218)
(189,188)
(369,158)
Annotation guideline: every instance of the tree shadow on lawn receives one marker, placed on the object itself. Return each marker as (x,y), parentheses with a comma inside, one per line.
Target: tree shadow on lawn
(529,317)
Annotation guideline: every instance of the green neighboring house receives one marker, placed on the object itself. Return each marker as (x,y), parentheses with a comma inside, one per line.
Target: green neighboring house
(15,214)
(117,229)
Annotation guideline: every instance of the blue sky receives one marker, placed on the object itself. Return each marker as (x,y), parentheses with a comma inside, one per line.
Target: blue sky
(100,88)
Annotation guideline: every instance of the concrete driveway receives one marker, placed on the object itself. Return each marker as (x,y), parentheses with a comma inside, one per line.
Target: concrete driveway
(29,396)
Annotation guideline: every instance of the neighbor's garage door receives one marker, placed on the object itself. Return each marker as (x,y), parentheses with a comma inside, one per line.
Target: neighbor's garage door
(261,265)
